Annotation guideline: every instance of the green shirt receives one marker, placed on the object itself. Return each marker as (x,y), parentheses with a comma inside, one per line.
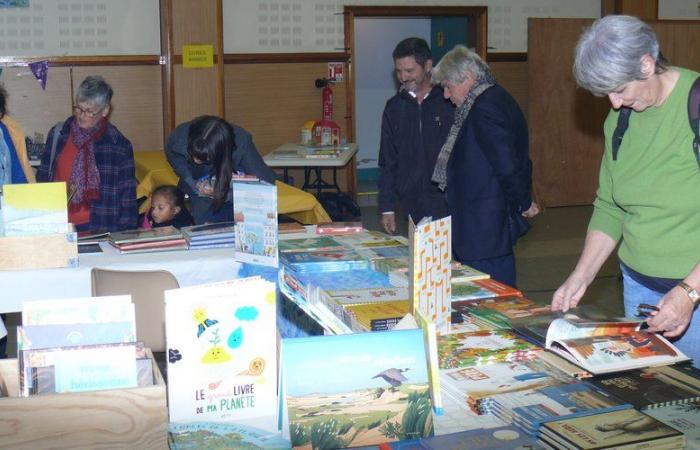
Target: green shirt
(650,196)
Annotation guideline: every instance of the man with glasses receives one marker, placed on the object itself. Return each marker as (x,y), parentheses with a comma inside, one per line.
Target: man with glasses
(95,160)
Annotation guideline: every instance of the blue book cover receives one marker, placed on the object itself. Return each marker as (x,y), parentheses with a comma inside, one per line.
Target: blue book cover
(565,401)
(356,389)
(500,438)
(255,214)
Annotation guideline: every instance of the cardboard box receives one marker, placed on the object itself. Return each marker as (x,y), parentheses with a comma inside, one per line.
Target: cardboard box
(42,251)
(110,419)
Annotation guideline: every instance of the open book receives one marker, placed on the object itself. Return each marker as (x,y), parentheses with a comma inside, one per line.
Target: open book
(609,346)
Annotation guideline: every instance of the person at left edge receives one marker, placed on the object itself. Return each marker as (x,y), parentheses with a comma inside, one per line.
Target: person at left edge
(205,153)
(95,160)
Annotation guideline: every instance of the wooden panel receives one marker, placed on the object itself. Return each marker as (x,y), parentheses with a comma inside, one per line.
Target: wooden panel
(195,93)
(566,123)
(644,9)
(513,77)
(137,102)
(116,418)
(188,19)
(272,101)
(36,110)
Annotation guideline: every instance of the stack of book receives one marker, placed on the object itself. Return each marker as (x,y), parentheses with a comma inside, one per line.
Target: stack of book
(78,345)
(626,429)
(153,240)
(371,309)
(324,261)
(462,272)
(478,348)
(484,288)
(474,387)
(497,313)
(337,228)
(212,235)
(529,409)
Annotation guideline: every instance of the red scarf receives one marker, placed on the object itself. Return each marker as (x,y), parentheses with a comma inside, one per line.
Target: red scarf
(84,184)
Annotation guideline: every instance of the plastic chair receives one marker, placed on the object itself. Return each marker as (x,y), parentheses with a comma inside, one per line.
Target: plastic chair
(146,289)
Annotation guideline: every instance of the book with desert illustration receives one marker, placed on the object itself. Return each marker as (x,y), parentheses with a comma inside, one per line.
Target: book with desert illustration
(354,390)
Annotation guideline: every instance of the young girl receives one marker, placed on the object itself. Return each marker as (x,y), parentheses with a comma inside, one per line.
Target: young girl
(167,208)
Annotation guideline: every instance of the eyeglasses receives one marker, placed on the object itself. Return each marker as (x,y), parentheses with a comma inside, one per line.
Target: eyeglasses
(77,110)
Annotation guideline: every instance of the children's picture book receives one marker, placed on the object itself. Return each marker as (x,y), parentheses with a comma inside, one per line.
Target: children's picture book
(353,390)
(35,208)
(139,236)
(615,429)
(314,243)
(499,438)
(324,261)
(612,346)
(64,335)
(335,228)
(369,239)
(255,213)
(485,288)
(475,348)
(112,308)
(152,246)
(208,231)
(462,272)
(210,435)
(477,385)
(652,387)
(430,253)
(366,295)
(498,312)
(684,418)
(529,409)
(376,316)
(82,368)
(222,362)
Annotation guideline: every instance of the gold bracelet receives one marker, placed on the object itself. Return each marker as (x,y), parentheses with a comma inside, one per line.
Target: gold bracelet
(692,293)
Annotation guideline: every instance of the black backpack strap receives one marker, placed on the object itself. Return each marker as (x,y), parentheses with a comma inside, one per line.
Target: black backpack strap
(694,117)
(623,121)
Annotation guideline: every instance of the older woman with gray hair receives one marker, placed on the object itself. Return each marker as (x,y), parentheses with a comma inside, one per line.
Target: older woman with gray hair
(649,185)
(95,160)
(483,167)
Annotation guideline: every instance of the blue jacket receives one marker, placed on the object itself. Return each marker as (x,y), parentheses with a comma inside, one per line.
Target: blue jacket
(489,176)
(412,136)
(116,208)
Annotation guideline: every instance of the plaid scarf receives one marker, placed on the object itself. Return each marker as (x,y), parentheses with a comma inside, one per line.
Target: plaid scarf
(84,184)
(461,113)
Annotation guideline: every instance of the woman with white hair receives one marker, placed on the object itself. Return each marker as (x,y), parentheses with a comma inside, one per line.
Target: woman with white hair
(95,160)
(483,167)
(648,198)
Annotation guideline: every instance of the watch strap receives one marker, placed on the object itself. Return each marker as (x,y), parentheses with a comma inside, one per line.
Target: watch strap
(693,294)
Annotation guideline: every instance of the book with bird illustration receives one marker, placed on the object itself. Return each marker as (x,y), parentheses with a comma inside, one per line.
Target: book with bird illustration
(222,362)
(354,390)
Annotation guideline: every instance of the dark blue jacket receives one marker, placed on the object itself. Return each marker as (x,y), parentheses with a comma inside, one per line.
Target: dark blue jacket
(489,174)
(412,136)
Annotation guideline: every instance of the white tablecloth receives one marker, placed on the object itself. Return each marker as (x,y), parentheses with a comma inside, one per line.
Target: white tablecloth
(190,267)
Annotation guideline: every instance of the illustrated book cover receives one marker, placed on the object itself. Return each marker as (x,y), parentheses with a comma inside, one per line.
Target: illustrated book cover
(475,348)
(651,387)
(216,435)
(613,429)
(684,418)
(430,254)
(140,236)
(35,208)
(255,214)
(353,390)
(612,346)
(222,362)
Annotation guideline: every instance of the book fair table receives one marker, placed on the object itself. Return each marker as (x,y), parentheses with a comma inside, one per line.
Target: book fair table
(19,286)
(153,170)
(314,159)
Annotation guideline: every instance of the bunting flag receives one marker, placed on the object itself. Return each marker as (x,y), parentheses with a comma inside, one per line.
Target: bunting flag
(40,69)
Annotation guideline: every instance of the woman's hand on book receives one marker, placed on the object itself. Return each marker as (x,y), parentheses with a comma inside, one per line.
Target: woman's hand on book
(675,312)
(570,293)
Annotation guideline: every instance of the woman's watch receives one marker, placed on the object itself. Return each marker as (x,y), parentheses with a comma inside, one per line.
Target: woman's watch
(693,295)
